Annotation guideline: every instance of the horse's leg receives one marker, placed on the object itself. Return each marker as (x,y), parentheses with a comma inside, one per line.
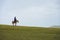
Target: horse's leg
(15,24)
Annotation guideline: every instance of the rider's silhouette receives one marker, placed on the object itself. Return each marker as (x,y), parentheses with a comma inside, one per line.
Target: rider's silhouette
(15,19)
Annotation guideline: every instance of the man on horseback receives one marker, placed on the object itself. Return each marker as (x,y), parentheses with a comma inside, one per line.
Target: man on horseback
(15,21)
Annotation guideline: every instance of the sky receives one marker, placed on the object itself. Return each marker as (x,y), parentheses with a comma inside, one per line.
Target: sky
(30,12)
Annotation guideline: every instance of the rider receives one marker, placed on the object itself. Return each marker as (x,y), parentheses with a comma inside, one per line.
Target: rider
(15,19)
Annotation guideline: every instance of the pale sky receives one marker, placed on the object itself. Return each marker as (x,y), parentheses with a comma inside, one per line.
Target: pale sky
(30,12)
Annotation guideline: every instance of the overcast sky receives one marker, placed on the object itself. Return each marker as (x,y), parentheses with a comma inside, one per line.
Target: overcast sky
(30,12)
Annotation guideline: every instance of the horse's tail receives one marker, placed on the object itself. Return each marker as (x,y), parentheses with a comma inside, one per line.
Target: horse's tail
(17,21)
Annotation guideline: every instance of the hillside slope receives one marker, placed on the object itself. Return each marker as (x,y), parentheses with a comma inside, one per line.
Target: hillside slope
(28,33)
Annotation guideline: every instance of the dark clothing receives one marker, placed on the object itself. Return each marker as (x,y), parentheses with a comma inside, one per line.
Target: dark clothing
(15,19)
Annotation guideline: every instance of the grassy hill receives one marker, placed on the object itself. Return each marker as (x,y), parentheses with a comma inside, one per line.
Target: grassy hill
(28,33)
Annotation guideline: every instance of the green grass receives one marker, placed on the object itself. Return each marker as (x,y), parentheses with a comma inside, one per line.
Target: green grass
(28,33)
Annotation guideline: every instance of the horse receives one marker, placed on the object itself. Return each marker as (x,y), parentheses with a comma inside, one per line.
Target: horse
(15,22)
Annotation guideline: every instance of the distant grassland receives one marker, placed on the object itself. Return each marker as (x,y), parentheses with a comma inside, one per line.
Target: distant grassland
(28,33)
